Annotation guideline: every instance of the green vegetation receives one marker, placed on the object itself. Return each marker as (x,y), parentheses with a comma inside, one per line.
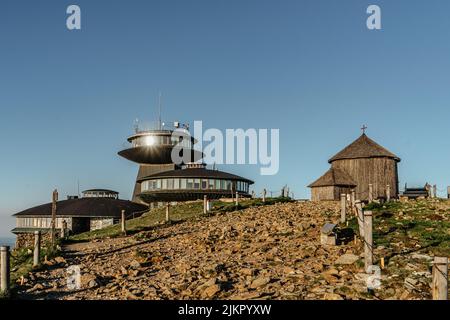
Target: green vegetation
(412,225)
(180,212)
(21,263)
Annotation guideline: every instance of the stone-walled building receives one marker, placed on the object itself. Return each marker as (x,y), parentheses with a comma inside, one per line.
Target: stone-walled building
(97,209)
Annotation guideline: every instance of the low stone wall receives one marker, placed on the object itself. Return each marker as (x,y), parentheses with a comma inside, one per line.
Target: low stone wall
(99,223)
(26,240)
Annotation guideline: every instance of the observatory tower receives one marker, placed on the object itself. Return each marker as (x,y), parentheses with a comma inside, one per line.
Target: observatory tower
(151,148)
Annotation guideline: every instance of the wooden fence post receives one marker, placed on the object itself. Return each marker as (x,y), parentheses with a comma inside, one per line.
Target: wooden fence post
(64,229)
(167,212)
(353,198)
(54,201)
(368,242)
(434,191)
(343,207)
(388,193)
(264,195)
(37,249)
(440,278)
(370,192)
(4,270)
(124,227)
(360,218)
(205,204)
(237,198)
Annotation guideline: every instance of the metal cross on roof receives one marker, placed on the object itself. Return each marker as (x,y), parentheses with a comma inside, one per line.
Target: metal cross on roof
(363,128)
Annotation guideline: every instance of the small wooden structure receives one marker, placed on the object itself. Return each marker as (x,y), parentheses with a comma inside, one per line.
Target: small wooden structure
(363,162)
(331,185)
(416,192)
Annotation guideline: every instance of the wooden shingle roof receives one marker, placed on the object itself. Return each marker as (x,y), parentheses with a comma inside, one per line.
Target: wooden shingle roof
(363,147)
(334,177)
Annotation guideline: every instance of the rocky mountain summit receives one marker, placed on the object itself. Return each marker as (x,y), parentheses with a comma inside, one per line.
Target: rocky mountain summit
(266,252)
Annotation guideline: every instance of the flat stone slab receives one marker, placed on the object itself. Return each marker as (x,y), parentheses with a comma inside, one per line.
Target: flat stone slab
(347,258)
(328,228)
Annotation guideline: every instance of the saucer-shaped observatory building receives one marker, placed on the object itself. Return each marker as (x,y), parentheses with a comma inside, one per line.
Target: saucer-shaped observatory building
(160,179)
(152,150)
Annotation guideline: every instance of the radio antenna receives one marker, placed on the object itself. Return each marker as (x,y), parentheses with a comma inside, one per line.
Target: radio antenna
(159,112)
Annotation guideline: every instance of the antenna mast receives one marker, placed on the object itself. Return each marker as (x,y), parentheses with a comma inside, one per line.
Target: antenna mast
(159,112)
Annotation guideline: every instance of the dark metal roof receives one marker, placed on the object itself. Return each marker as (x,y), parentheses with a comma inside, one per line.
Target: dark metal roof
(86,207)
(196,173)
(334,177)
(363,147)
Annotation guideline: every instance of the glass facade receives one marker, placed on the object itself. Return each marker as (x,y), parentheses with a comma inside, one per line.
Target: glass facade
(39,222)
(100,194)
(194,184)
(153,140)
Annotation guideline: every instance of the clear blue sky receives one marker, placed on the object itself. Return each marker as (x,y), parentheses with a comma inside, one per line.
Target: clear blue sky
(312,69)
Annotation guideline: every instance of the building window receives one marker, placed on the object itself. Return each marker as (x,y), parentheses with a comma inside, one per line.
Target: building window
(183,184)
(218,184)
(204,184)
(176,183)
(211,184)
(196,183)
(190,183)
(228,185)
(170,184)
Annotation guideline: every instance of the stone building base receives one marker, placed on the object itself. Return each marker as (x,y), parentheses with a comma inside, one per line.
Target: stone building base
(26,240)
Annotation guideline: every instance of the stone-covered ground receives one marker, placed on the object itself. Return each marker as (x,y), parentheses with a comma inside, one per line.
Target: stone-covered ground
(269,252)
